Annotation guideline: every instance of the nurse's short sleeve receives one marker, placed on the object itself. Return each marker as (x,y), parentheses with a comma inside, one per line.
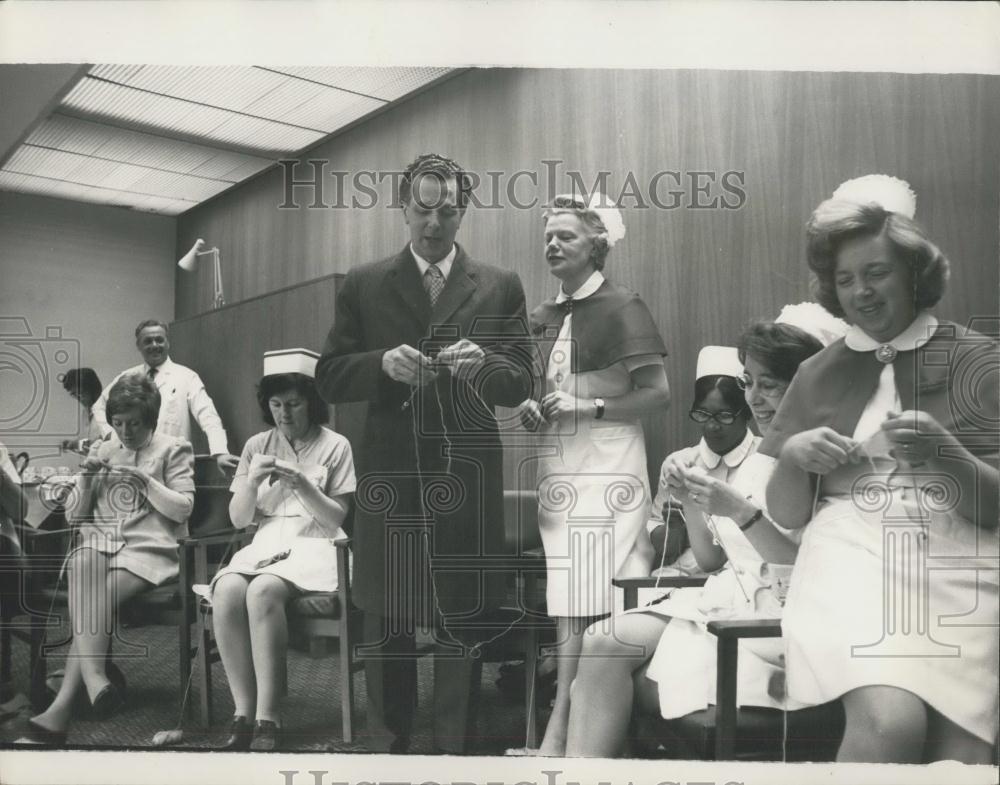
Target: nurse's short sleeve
(340,475)
(641,361)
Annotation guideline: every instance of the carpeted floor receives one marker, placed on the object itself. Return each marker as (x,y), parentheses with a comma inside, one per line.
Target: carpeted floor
(311,712)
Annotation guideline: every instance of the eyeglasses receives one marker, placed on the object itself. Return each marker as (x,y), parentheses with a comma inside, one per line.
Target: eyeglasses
(765,387)
(723,417)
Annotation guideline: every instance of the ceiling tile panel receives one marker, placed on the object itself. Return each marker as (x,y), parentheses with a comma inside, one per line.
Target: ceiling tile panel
(333,109)
(265,135)
(226,87)
(47,163)
(69,134)
(233,167)
(385,83)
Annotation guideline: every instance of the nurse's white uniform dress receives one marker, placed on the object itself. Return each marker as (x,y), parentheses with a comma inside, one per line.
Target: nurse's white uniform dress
(892,586)
(285,523)
(593,490)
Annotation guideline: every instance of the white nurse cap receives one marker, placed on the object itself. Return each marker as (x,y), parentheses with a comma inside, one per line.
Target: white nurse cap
(290,361)
(889,193)
(719,361)
(814,319)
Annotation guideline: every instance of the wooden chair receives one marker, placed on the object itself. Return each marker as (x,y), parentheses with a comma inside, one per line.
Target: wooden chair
(316,617)
(725,731)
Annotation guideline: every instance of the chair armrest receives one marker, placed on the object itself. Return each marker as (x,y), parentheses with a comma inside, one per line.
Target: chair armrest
(194,553)
(344,544)
(632,585)
(666,582)
(212,538)
(745,628)
(28,533)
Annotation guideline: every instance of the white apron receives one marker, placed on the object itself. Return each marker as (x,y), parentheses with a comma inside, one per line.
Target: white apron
(593,493)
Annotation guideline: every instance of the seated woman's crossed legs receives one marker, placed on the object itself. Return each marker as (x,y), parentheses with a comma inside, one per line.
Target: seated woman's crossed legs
(603,691)
(96,592)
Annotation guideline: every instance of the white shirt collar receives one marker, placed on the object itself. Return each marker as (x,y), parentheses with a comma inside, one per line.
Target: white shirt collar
(733,458)
(444,265)
(166,365)
(913,337)
(590,286)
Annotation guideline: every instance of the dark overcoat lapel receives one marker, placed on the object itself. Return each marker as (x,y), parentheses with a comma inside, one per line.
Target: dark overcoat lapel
(457,290)
(404,280)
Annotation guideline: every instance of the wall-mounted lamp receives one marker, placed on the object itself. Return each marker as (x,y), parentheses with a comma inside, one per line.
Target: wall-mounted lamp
(190,260)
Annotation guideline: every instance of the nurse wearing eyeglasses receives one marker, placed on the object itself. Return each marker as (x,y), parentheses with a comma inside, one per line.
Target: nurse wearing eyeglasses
(721,409)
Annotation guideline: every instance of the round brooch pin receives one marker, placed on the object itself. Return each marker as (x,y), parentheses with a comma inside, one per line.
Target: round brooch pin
(886,353)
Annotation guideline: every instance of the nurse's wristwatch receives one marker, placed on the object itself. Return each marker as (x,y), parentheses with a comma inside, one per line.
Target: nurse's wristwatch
(598,408)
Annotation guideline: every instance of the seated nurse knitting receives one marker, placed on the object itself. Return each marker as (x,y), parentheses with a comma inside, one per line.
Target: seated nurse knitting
(294,481)
(887,460)
(723,415)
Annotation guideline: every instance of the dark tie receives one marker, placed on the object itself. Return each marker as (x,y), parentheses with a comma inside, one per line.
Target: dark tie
(566,306)
(433,283)
(151,373)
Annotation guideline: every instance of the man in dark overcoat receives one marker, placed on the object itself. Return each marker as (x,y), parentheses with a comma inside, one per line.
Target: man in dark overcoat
(433,341)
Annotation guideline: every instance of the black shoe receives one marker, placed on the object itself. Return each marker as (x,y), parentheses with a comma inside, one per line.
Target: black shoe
(400,745)
(37,736)
(116,677)
(240,735)
(108,702)
(266,736)
(81,703)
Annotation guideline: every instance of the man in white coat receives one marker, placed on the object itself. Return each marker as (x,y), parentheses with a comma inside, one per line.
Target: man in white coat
(182,394)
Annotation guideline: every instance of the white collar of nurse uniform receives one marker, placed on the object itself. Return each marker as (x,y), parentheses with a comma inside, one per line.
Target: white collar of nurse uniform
(444,265)
(733,458)
(913,337)
(590,286)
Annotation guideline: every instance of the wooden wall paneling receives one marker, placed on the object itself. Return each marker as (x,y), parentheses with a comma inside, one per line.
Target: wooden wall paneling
(704,273)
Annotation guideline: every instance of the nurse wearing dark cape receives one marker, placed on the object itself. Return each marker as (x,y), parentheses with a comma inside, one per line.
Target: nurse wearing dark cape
(887,447)
(603,371)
